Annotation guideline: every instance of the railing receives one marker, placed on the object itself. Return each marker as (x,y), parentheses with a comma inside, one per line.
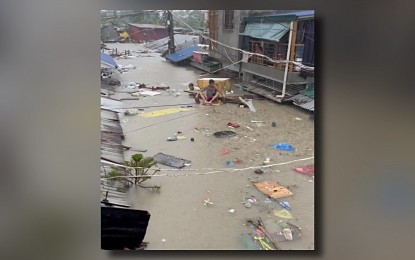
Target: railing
(255,59)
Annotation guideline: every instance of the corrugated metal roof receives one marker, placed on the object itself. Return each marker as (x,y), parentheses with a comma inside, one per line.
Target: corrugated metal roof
(303,102)
(266,31)
(111,137)
(146,25)
(270,18)
(180,40)
(110,103)
(298,14)
(182,54)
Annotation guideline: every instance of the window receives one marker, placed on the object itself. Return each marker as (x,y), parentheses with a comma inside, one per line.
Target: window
(228,20)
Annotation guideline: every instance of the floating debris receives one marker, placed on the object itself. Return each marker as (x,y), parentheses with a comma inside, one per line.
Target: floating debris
(259,171)
(247,205)
(283,214)
(287,234)
(224,134)
(207,202)
(283,146)
(273,189)
(170,160)
(307,170)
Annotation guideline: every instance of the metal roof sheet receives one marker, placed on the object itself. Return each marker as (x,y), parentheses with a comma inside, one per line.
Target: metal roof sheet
(146,25)
(180,40)
(266,31)
(182,54)
(108,60)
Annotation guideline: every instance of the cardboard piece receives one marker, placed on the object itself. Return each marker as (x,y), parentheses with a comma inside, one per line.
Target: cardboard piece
(273,189)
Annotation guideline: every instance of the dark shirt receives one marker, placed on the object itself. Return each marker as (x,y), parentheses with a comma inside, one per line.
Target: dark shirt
(210,91)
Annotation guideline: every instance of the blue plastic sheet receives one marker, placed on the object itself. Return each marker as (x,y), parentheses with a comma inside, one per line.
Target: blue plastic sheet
(283,146)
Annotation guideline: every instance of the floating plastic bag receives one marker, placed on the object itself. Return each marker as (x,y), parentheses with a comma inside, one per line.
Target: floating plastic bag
(283,214)
(283,146)
(307,170)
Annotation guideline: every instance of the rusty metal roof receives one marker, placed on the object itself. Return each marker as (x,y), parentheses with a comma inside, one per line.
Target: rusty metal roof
(112,135)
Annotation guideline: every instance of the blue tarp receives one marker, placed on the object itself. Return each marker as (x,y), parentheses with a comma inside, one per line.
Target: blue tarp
(108,60)
(183,54)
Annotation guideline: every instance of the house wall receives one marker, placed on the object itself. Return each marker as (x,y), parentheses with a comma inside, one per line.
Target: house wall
(250,69)
(229,37)
(140,34)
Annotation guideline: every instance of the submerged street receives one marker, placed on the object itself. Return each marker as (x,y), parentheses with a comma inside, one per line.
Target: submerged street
(180,217)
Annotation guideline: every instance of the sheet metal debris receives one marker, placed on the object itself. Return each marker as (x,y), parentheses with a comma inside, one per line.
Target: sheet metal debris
(170,160)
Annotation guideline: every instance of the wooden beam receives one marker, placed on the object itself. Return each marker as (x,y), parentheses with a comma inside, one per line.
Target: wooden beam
(293,44)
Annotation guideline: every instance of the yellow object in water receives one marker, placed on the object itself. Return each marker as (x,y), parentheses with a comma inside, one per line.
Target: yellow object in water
(223,84)
(163,112)
(283,214)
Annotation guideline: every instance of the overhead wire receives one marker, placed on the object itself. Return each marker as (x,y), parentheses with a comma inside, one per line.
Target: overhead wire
(211,170)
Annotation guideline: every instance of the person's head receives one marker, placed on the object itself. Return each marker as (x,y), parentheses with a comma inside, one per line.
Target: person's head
(211,82)
(191,86)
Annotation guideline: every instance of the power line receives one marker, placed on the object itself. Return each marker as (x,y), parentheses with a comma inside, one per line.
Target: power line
(211,170)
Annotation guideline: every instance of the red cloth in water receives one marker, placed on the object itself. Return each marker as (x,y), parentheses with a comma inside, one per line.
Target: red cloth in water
(307,170)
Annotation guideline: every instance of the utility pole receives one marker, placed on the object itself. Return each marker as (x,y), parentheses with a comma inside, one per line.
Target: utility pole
(170,31)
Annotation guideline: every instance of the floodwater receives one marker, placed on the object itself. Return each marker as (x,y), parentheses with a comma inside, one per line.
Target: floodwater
(179,219)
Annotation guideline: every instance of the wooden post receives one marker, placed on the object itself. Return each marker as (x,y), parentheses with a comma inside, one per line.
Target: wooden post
(293,42)
(170,31)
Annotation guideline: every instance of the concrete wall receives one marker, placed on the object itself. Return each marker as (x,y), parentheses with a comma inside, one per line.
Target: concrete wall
(230,38)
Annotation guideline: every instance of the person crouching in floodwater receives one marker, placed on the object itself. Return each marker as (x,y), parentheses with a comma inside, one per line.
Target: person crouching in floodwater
(212,94)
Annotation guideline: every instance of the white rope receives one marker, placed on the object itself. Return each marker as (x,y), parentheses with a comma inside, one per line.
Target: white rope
(199,173)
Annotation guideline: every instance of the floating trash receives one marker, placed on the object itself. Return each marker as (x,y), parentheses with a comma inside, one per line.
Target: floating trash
(247,205)
(283,214)
(267,160)
(170,160)
(231,210)
(259,171)
(224,151)
(224,134)
(207,202)
(284,205)
(233,125)
(307,170)
(273,189)
(173,138)
(287,234)
(295,230)
(283,146)
(230,164)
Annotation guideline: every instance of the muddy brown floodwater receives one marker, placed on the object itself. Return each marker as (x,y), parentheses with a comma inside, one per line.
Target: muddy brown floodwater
(179,218)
